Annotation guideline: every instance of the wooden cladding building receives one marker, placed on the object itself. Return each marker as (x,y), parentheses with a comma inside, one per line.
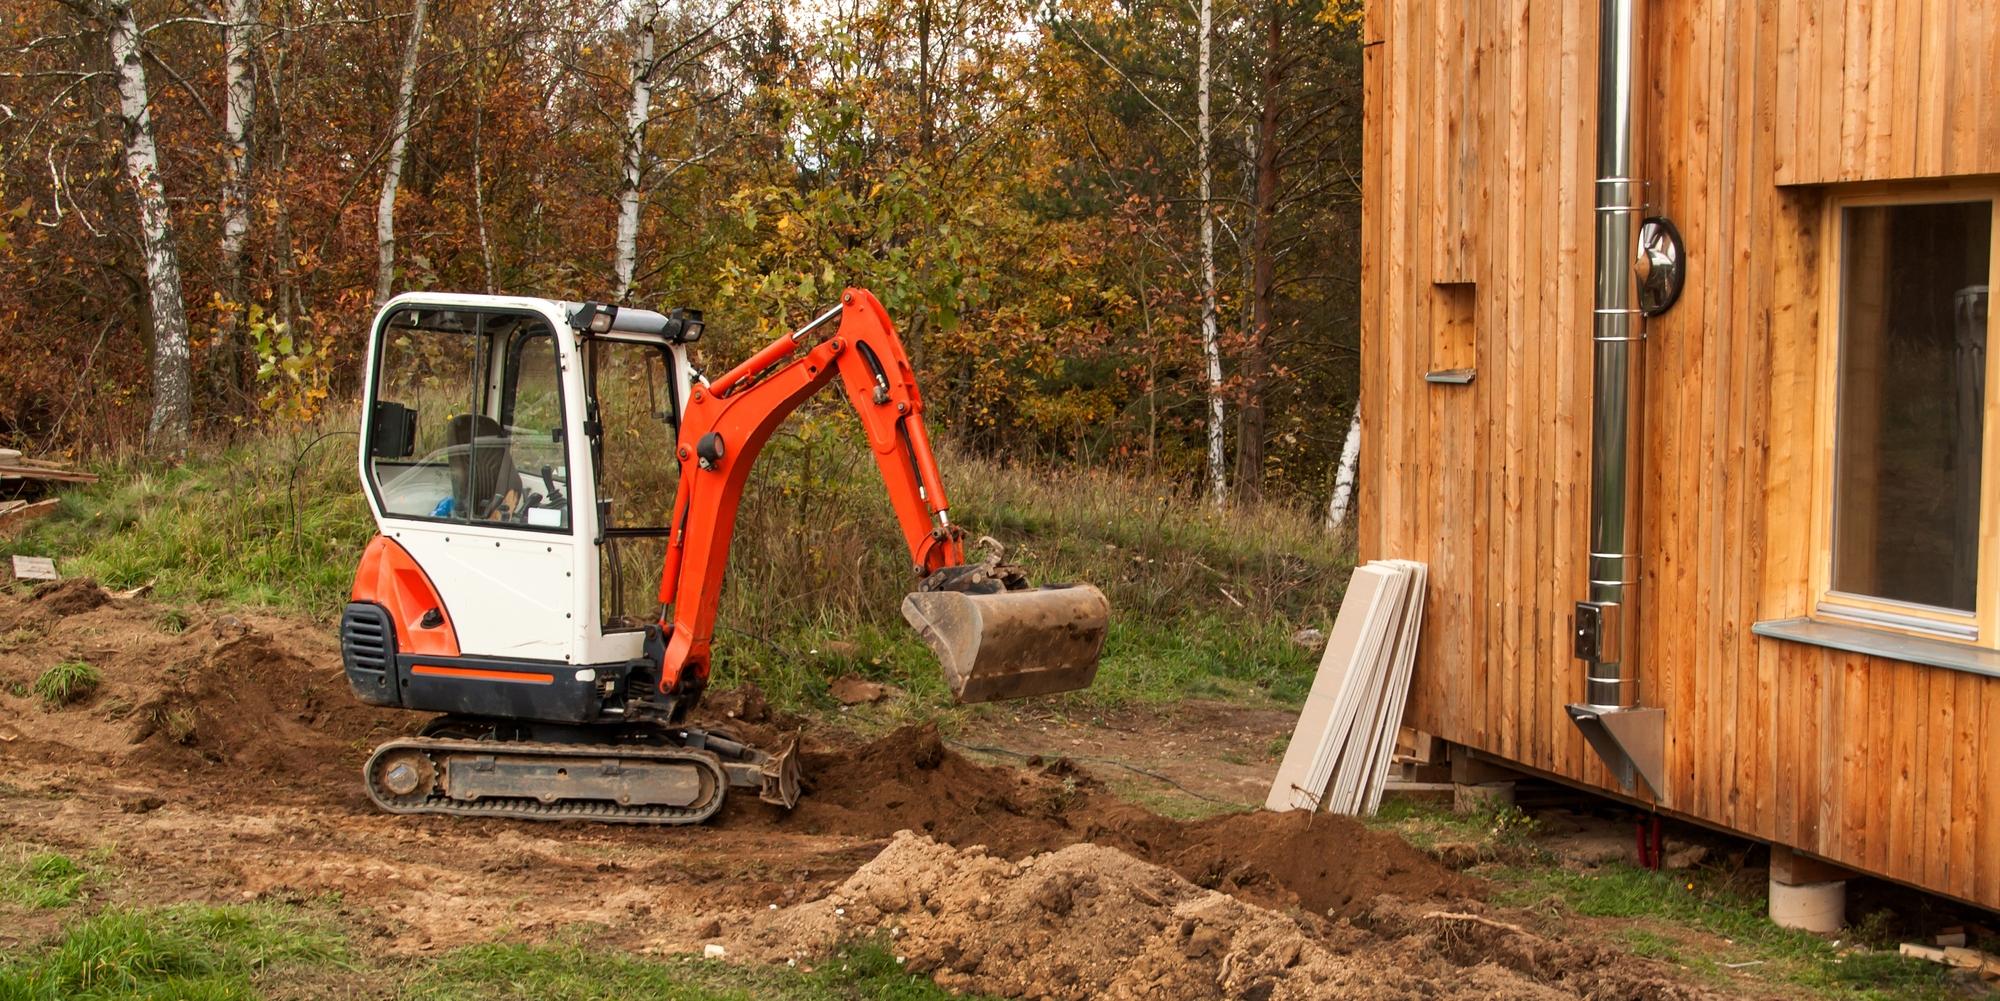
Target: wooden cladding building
(1818,544)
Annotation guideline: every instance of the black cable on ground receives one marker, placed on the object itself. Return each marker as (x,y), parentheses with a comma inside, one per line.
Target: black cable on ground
(1128,766)
(292,485)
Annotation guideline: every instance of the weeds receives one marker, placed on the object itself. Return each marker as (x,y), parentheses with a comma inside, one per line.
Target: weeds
(1707,900)
(172,621)
(1203,603)
(176,952)
(577,973)
(67,682)
(1491,833)
(42,881)
(177,722)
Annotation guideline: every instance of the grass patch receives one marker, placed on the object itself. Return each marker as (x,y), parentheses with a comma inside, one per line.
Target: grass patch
(576,973)
(185,952)
(1493,832)
(67,682)
(43,880)
(1708,901)
(1203,602)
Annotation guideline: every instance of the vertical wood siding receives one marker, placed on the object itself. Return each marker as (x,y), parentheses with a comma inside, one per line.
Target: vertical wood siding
(1477,202)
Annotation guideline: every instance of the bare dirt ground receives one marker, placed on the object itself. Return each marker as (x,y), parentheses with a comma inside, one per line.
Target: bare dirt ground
(219,761)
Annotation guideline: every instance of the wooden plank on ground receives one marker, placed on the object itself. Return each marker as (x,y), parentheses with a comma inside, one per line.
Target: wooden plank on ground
(35,568)
(24,470)
(15,514)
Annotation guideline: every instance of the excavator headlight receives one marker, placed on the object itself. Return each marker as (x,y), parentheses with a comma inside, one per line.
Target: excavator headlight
(594,317)
(683,325)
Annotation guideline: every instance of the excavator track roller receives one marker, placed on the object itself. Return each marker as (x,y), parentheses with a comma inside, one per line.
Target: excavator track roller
(1013,644)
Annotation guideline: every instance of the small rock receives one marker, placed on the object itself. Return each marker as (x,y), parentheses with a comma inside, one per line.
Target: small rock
(713,951)
(1687,858)
(1309,639)
(141,804)
(854,690)
(709,930)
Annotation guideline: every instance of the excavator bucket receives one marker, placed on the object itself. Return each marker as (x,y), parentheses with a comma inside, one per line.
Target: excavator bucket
(1013,644)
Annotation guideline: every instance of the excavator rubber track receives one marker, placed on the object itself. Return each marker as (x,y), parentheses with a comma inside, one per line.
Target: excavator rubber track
(535,781)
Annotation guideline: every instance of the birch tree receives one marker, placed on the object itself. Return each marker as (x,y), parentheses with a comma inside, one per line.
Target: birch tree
(636,117)
(392,174)
(168,430)
(1343,477)
(1211,338)
(239,101)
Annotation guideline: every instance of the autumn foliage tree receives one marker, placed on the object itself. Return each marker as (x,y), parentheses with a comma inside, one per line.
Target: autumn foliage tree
(1017,181)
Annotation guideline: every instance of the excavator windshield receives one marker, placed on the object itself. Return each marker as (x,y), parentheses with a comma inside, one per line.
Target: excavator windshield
(466,421)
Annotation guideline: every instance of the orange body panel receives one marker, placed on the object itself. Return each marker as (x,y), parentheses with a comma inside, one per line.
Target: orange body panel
(482,674)
(389,577)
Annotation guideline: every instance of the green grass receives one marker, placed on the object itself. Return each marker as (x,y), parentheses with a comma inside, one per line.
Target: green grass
(43,880)
(187,953)
(1709,902)
(577,973)
(1494,832)
(200,953)
(67,682)
(1203,602)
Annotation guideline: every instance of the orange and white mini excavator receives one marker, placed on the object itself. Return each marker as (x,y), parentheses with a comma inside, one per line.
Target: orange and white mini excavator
(518,455)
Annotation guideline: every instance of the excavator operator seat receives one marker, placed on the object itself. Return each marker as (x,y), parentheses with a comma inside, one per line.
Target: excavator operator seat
(483,476)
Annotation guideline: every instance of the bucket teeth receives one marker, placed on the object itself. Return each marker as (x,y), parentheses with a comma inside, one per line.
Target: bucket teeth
(1013,644)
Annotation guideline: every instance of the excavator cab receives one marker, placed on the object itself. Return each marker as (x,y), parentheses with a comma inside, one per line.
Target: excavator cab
(555,490)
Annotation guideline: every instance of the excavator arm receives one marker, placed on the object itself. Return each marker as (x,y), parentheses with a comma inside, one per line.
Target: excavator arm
(997,638)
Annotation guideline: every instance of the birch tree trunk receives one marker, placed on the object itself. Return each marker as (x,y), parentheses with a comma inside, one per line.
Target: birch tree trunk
(225,360)
(392,175)
(168,430)
(1343,477)
(1211,338)
(636,116)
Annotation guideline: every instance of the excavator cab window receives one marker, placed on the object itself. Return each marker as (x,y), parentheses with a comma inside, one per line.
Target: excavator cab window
(467,420)
(636,408)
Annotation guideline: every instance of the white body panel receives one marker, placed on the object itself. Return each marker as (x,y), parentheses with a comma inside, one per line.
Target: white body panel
(510,593)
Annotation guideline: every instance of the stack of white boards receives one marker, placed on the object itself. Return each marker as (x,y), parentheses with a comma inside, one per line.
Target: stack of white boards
(1339,756)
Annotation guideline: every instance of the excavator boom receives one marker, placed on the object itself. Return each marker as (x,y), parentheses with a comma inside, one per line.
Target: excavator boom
(995,637)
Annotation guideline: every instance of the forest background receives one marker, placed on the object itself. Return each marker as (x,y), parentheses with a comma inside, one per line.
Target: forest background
(1118,234)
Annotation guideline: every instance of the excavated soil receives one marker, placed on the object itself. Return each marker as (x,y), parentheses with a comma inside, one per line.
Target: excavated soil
(1326,864)
(219,760)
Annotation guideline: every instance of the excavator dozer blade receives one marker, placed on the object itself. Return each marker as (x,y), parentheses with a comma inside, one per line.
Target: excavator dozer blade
(1013,644)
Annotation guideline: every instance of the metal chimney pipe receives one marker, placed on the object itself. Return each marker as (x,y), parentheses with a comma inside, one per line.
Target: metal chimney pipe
(1608,623)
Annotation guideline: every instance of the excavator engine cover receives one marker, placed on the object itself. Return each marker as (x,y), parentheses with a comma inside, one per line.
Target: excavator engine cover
(1013,644)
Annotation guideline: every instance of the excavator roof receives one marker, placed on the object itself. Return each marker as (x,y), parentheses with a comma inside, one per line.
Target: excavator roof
(681,325)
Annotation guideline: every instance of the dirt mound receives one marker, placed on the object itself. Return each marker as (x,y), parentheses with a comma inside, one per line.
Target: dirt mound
(1088,921)
(1325,864)
(248,701)
(70,597)
(254,697)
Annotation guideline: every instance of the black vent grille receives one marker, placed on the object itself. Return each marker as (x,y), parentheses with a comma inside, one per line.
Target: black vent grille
(368,652)
(364,638)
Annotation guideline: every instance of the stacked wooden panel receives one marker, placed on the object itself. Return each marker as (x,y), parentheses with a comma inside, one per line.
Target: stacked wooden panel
(1339,755)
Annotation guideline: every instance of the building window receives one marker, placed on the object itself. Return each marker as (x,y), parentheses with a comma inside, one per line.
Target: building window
(1911,488)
